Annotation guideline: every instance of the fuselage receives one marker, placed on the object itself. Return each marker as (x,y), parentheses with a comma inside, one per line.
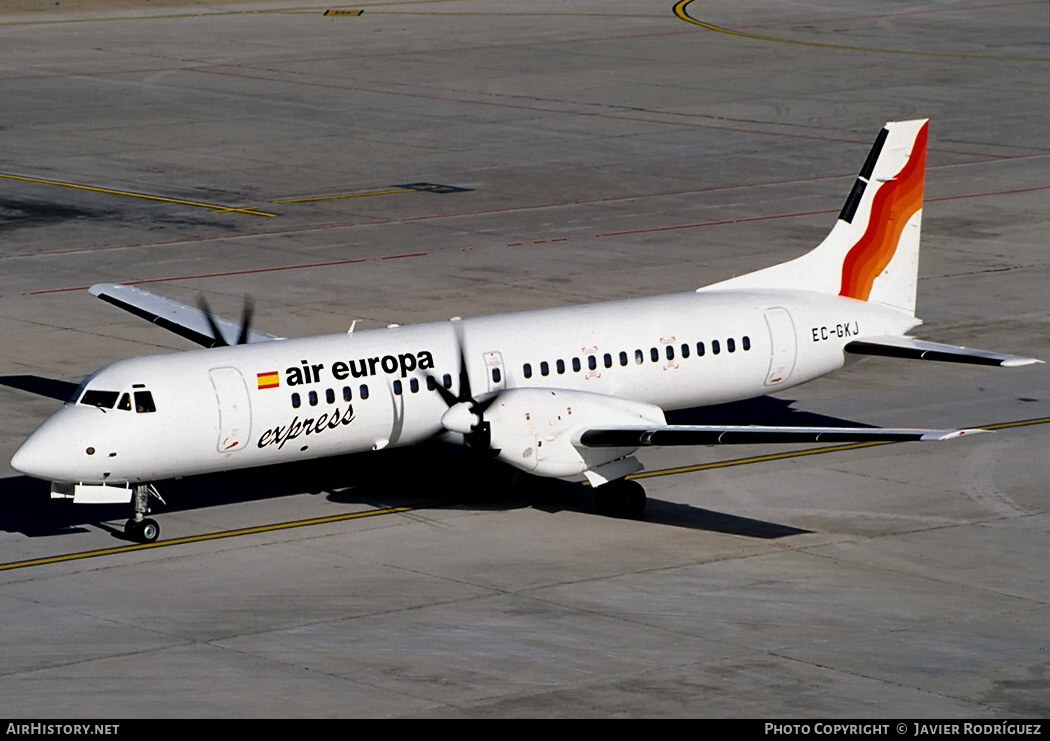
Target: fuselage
(154,417)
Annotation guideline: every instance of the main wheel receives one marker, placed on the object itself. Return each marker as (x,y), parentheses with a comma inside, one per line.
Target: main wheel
(621,498)
(634,500)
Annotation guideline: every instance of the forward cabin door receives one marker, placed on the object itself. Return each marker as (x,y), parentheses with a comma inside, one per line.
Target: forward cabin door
(235,413)
(783,346)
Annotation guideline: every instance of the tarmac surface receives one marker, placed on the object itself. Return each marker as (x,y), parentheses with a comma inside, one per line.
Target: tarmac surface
(427,159)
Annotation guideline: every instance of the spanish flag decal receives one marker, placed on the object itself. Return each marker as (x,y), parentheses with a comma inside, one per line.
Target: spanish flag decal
(269,380)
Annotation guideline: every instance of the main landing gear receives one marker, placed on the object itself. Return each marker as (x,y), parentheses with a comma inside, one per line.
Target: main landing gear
(139,527)
(621,498)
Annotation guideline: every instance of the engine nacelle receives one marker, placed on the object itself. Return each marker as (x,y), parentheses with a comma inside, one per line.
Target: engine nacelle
(536,430)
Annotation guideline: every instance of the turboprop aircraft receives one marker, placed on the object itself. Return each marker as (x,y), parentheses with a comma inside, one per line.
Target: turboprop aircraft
(569,392)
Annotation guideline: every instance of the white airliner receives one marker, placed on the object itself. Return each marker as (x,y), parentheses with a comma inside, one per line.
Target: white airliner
(569,392)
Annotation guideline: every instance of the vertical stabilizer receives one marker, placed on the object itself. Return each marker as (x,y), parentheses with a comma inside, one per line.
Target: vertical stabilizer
(872,252)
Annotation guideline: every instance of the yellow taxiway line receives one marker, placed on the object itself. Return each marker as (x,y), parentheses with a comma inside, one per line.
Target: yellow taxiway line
(132,194)
(203,537)
(338,196)
(398,510)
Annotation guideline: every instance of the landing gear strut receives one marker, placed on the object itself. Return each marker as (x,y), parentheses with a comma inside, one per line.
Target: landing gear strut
(621,498)
(139,527)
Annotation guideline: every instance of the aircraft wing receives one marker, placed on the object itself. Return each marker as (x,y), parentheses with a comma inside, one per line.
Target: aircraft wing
(635,437)
(186,321)
(907,347)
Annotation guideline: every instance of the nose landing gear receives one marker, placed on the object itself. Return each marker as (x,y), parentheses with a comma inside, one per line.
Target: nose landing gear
(139,527)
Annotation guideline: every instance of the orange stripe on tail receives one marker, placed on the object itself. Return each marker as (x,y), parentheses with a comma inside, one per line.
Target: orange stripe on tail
(894,204)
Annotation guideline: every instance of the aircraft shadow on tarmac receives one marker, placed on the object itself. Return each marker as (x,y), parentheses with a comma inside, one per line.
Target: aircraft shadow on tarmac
(428,477)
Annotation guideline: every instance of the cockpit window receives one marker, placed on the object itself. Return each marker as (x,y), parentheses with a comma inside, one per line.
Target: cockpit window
(100,399)
(144,402)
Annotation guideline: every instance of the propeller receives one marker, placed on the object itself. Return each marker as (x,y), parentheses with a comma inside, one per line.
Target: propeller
(213,324)
(466,414)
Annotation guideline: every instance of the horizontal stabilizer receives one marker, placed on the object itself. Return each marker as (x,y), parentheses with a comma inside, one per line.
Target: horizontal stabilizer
(635,437)
(906,347)
(186,321)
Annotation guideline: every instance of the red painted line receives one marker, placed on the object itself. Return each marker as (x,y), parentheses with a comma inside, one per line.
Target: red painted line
(722,222)
(173,278)
(771,217)
(670,121)
(485,212)
(990,193)
(697,225)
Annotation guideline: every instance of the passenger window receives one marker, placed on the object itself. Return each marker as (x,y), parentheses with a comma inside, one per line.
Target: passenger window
(639,357)
(608,360)
(125,403)
(397,387)
(745,342)
(685,350)
(144,402)
(329,396)
(560,365)
(446,380)
(413,383)
(313,398)
(576,365)
(363,391)
(700,349)
(623,358)
(496,375)
(296,401)
(715,347)
(592,362)
(670,352)
(731,345)
(654,353)
(527,370)
(347,395)
(545,369)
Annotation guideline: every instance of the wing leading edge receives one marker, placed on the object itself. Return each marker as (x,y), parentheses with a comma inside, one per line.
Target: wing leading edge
(186,321)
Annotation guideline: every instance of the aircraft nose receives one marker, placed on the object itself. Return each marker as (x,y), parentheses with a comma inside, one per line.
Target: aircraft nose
(47,452)
(32,457)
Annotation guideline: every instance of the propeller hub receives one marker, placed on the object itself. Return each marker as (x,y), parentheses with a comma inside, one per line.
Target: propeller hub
(460,418)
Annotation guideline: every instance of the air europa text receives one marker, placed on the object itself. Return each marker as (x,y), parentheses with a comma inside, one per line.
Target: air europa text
(403,363)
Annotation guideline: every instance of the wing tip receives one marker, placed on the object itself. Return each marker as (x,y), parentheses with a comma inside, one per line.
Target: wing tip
(952,434)
(99,288)
(1017,362)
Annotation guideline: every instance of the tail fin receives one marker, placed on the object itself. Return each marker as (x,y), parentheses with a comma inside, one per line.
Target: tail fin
(872,252)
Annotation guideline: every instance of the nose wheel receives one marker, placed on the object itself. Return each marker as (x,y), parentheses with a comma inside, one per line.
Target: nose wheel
(139,527)
(145,530)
